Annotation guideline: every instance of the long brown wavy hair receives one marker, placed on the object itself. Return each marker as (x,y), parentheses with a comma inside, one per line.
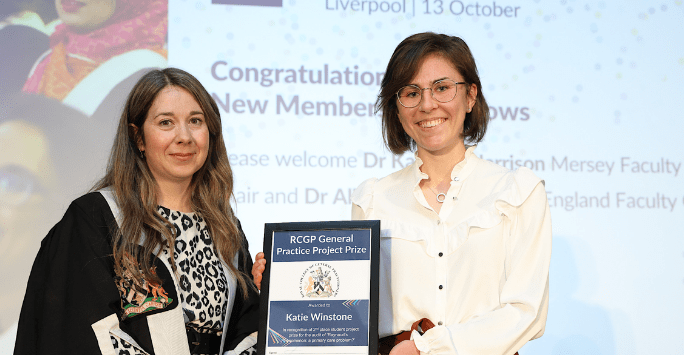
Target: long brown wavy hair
(143,232)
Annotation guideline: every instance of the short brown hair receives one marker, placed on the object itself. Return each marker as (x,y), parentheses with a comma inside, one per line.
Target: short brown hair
(403,66)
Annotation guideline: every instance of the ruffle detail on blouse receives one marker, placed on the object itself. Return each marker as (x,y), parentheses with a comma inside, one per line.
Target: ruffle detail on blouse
(403,231)
(363,195)
(520,187)
(461,233)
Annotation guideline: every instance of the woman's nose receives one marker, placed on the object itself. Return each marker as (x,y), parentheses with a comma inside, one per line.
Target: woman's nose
(183,134)
(427,102)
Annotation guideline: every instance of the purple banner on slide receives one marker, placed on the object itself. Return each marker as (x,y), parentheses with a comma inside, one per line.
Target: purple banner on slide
(274,3)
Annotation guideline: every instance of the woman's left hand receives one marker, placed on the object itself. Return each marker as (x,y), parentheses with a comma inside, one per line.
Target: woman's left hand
(258,268)
(406,347)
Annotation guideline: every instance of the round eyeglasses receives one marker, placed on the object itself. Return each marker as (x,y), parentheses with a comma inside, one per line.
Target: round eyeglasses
(442,90)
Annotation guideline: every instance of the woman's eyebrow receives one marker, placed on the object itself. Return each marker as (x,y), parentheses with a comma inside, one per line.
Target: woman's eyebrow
(440,79)
(164,114)
(434,81)
(192,113)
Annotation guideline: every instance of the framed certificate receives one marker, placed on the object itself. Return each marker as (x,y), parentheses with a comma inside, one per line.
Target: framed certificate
(319,293)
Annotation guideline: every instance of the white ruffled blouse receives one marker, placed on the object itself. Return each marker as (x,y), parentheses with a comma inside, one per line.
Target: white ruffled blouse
(479,269)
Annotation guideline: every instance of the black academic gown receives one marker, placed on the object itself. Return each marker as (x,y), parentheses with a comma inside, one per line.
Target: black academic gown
(72,288)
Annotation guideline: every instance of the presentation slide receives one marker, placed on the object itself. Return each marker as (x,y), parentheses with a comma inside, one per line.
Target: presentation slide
(585,93)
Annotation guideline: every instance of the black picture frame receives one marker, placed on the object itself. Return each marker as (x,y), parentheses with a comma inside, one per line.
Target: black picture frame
(270,230)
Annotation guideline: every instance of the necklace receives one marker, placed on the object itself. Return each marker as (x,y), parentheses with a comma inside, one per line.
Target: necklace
(437,195)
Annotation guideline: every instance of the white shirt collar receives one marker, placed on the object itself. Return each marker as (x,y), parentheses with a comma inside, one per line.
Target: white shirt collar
(459,173)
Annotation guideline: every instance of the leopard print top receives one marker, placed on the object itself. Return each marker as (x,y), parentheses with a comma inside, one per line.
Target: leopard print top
(201,278)
(202,281)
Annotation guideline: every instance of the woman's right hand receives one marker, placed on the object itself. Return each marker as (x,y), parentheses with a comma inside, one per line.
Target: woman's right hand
(258,269)
(406,347)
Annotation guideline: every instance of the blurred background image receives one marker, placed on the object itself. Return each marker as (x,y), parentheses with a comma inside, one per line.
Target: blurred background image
(66,69)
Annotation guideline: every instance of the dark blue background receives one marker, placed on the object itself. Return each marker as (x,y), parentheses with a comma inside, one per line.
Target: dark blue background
(359,312)
(282,240)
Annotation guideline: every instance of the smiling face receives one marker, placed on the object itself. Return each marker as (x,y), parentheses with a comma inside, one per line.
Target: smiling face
(85,14)
(176,137)
(435,126)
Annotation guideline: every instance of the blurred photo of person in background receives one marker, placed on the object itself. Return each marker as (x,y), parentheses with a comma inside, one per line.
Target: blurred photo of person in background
(66,68)
(43,161)
(25,28)
(96,46)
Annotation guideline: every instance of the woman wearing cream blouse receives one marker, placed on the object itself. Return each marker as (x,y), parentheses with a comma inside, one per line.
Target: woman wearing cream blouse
(465,243)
